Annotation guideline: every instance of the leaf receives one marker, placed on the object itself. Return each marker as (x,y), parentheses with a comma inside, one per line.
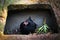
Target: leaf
(43,29)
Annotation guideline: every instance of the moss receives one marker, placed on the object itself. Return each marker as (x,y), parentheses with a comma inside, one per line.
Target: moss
(1,26)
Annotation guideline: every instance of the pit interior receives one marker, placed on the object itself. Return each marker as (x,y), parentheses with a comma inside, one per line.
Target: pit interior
(19,13)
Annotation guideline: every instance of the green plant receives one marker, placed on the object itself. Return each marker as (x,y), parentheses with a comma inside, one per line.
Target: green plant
(44,28)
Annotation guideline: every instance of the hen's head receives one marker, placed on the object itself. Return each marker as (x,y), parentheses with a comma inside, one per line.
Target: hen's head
(25,22)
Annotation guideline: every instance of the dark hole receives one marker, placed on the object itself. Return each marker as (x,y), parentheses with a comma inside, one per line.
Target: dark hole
(16,17)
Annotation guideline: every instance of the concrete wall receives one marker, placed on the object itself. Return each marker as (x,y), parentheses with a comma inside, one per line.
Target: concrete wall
(14,19)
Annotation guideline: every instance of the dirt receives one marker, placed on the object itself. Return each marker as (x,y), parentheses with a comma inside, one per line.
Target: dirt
(34,36)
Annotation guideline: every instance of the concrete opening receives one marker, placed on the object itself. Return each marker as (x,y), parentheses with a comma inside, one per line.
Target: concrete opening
(19,13)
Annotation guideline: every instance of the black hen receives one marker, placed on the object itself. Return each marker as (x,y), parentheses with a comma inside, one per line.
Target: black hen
(27,26)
